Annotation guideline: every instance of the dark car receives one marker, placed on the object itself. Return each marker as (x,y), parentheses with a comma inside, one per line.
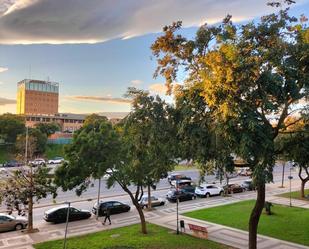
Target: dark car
(233,188)
(182,195)
(175,176)
(59,214)
(188,188)
(12,163)
(248,185)
(115,207)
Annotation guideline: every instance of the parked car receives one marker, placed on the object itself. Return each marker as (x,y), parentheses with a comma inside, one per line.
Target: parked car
(155,201)
(182,195)
(56,160)
(233,188)
(37,162)
(248,185)
(188,188)
(10,222)
(176,176)
(207,190)
(115,207)
(12,163)
(245,172)
(59,214)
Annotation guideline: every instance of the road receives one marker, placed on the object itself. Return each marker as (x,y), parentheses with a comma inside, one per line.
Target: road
(116,193)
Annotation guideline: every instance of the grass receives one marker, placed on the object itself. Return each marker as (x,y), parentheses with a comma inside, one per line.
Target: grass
(295,195)
(53,150)
(286,223)
(130,237)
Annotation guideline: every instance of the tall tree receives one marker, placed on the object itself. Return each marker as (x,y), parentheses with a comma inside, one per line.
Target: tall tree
(251,76)
(94,149)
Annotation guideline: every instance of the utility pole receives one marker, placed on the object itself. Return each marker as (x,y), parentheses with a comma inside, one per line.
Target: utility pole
(98,200)
(66,227)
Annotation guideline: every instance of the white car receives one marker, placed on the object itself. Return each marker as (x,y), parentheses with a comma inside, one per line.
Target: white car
(208,190)
(56,160)
(37,162)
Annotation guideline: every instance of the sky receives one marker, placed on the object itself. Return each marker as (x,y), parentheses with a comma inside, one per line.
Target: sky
(96,49)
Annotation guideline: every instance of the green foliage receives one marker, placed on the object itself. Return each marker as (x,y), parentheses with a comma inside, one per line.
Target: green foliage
(48,128)
(286,223)
(11,126)
(94,149)
(54,150)
(129,237)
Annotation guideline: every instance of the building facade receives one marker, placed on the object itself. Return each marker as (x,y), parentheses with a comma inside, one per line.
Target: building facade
(37,97)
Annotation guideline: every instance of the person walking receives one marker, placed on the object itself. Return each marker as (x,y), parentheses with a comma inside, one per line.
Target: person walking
(107,216)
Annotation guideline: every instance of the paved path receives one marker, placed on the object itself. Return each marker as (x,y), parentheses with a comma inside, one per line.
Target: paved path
(164,216)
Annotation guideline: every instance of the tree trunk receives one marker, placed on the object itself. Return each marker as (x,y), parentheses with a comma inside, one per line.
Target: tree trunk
(302,188)
(30,214)
(283,169)
(149,207)
(255,216)
(141,216)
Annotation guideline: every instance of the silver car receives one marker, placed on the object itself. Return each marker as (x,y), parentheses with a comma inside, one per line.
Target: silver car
(10,222)
(154,201)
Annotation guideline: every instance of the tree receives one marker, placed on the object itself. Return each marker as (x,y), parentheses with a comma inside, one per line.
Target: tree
(94,149)
(48,128)
(22,186)
(251,77)
(149,129)
(198,136)
(36,143)
(11,126)
(294,145)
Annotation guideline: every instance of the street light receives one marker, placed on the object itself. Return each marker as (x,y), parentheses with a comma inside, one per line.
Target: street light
(177,203)
(290,178)
(66,226)
(98,200)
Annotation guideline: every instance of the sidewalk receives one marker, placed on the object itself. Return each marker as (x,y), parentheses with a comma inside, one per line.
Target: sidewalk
(226,235)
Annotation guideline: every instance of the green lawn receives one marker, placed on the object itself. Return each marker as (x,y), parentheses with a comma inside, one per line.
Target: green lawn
(295,195)
(291,224)
(130,237)
(53,150)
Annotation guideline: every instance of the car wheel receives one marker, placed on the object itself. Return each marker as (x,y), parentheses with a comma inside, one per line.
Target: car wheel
(162,204)
(19,227)
(207,195)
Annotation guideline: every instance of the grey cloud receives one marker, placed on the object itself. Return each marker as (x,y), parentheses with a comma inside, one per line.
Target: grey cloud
(5,101)
(100,99)
(90,21)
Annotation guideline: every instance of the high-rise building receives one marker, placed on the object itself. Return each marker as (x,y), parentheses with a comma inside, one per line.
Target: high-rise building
(37,97)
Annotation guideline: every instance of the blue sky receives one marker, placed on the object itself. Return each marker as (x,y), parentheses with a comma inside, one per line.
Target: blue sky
(86,52)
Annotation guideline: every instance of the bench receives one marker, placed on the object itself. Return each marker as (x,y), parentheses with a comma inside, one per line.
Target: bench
(199,231)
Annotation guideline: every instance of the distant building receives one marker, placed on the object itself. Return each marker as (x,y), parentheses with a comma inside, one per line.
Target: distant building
(37,97)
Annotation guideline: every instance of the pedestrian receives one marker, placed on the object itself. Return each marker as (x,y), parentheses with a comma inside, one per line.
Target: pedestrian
(107,216)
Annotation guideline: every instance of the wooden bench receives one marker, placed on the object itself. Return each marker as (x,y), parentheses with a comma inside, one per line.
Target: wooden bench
(199,231)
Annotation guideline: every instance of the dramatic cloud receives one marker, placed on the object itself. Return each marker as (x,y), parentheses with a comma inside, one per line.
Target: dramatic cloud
(4,101)
(136,82)
(100,99)
(91,21)
(3,69)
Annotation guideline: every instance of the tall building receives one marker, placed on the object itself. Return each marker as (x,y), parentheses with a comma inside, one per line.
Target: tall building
(37,97)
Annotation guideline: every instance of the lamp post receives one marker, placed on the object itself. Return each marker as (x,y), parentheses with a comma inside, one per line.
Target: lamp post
(177,203)
(98,200)
(290,178)
(66,226)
